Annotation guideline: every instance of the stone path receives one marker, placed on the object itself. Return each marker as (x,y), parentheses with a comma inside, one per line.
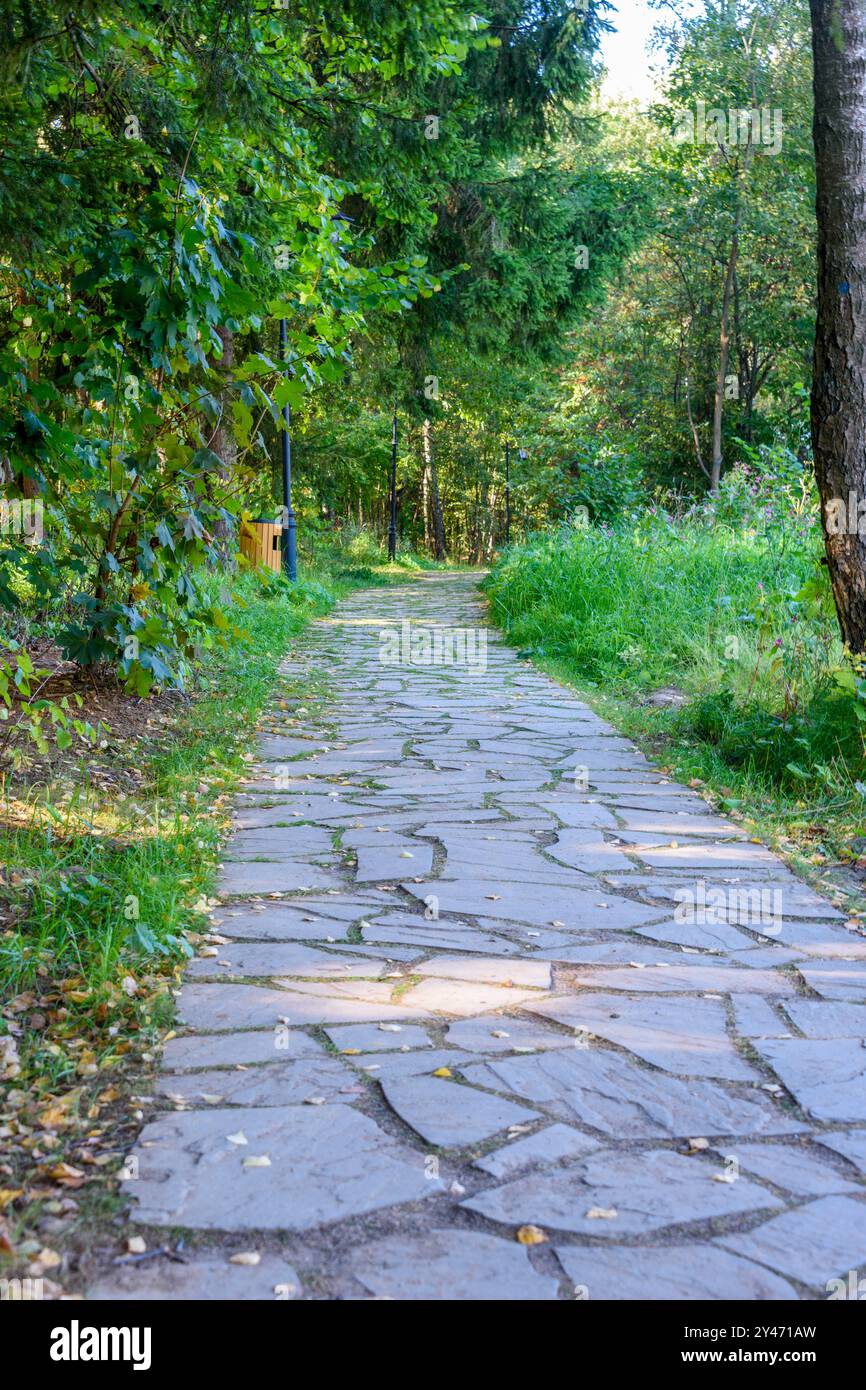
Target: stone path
(480,966)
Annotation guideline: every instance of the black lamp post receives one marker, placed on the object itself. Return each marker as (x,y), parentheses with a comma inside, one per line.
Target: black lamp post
(392,525)
(290,554)
(507,492)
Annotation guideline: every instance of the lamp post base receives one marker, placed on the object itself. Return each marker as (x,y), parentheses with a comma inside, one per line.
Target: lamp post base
(290,549)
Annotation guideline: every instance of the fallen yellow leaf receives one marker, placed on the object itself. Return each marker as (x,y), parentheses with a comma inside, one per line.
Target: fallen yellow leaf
(531,1235)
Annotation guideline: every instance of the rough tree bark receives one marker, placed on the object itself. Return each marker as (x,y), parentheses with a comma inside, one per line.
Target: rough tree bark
(839,379)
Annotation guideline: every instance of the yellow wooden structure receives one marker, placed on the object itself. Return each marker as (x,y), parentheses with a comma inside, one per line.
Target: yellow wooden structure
(260,542)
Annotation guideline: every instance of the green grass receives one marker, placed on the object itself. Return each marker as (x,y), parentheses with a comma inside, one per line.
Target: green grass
(635,609)
(107,883)
(736,621)
(111,876)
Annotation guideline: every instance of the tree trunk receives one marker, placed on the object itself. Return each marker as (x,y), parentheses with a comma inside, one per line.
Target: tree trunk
(839,377)
(492,504)
(224,444)
(425,495)
(430,468)
(724,357)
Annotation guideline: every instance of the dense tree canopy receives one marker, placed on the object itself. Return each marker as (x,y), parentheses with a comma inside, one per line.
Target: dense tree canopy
(447,213)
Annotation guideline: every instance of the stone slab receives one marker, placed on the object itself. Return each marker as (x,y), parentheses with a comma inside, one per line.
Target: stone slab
(548,1146)
(686,1036)
(851,1146)
(200,1277)
(610,1094)
(280,958)
(826,1075)
(450,1115)
(462,997)
(673,1273)
(816,1243)
(676,979)
(286,1083)
(794,1168)
(827,1019)
(499,1035)
(452,1266)
(216,1008)
(244,878)
(277,1044)
(369,1037)
(652,1191)
(326,1163)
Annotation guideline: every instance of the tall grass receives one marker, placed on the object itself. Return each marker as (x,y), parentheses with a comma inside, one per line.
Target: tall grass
(771,711)
(641,606)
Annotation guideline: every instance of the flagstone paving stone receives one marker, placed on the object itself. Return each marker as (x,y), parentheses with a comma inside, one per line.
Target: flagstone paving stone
(851,1146)
(462,997)
(674,979)
(496,1035)
(324,1163)
(449,1115)
(371,1037)
(756,1018)
(239,1006)
(238,1049)
(674,1272)
(203,1278)
(535,974)
(648,1192)
(382,1065)
(548,1146)
(814,1243)
(609,1093)
(835,980)
(826,1075)
(263,876)
(288,1083)
(817,1019)
(490,916)
(576,908)
(280,958)
(687,1036)
(793,1168)
(462,1266)
(276,923)
(438,935)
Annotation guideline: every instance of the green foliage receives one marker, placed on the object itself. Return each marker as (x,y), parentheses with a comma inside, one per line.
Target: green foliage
(172,184)
(31,722)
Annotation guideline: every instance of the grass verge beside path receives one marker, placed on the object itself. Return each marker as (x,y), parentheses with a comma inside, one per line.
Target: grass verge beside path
(768,713)
(814,840)
(106,866)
